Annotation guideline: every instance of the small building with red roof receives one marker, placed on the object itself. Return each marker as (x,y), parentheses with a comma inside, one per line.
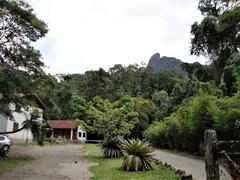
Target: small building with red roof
(66,129)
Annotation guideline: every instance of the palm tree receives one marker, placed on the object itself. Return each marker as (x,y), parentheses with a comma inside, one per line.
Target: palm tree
(32,124)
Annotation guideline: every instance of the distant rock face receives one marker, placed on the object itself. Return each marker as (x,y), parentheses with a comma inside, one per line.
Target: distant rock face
(157,63)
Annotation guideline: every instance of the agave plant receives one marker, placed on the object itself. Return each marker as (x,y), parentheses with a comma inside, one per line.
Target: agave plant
(112,148)
(137,156)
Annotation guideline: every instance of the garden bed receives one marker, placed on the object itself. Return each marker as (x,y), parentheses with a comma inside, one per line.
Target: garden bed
(110,168)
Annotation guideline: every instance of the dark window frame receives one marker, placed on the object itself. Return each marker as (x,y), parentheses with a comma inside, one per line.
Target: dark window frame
(15,126)
(2,138)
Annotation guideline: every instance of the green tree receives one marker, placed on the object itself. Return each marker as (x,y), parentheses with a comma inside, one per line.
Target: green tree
(97,83)
(204,73)
(217,35)
(203,114)
(198,71)
(184,129)
(117,73)
(19,60)
(227,125)
(163,104)
(233,66)
(189,68)
(19,27)
(215,7)
(32,123)
(47,87)
(105,118)
(111,120)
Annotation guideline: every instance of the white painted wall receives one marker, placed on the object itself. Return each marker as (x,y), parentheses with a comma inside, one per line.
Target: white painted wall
(19,118)
(82,132)
(3,123)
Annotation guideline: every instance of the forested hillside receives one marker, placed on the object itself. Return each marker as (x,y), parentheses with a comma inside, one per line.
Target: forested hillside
(137,95)
(170,110)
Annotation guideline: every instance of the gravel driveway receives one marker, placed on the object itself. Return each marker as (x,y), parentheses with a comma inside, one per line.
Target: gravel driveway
(193,166)
(61,162)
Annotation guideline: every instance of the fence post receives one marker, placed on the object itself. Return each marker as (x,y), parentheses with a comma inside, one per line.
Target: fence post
(211,164)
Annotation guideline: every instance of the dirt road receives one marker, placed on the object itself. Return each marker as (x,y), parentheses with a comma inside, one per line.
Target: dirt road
(61,162)
(190,165)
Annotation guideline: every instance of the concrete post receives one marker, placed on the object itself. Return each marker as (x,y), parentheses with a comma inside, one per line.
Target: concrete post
(211,164)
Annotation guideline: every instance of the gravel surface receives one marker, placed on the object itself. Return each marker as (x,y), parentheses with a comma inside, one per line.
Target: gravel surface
(190,165)
(61,162)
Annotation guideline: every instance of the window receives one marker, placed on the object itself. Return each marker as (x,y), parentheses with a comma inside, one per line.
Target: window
(15,126)
(80,134)
(2,138)
(84,135)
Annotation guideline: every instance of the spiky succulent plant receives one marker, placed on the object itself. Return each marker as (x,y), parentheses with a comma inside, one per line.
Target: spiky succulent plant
(137,156)
(111,148)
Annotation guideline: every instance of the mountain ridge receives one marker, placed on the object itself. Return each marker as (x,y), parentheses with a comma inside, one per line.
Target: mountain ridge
(158,63)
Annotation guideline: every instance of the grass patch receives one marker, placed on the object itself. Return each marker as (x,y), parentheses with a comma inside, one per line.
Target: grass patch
(25,145)
(109,168)
(10,162)
(34,144)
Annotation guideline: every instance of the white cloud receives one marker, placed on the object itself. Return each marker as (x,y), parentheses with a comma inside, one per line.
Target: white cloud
(89,34)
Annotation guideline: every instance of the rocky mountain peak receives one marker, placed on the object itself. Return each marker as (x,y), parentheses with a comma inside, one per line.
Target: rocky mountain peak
(157,63)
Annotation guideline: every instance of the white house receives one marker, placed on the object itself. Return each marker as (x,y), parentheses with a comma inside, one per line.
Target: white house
(82,134)
(8,124)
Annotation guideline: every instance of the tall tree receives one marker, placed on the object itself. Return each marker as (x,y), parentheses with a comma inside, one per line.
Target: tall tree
(217,36)
(19,60)
(215,7)
(97,83)
(189,68)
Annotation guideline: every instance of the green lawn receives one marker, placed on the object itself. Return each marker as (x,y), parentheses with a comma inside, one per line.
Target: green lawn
(10,162)
(109,168)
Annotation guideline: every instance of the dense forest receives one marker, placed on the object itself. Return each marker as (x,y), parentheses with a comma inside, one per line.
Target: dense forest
(170,110)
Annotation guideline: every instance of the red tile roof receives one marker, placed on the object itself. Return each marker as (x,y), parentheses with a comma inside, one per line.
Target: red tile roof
(62,124)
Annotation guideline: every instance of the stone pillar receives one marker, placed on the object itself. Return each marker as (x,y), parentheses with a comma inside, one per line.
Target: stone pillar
(71,137)
(211,164)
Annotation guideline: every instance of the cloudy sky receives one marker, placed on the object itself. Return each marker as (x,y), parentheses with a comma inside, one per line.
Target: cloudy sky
(89,34)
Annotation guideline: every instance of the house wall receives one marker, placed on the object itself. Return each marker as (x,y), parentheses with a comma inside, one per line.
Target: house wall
(23,135)
(3,123)
(81,132)
(18,117)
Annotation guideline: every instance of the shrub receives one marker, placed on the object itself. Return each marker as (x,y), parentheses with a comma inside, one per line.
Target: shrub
(204,112)
(184,129)
(227,125)
(137,156)
(156,134)
(112,148)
